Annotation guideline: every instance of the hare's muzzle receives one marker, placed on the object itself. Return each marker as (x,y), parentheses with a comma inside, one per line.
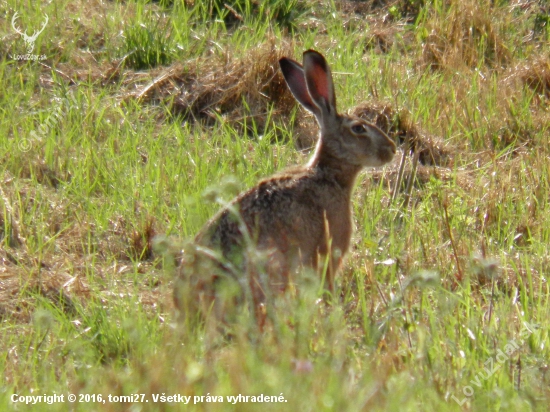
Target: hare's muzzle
(386,147)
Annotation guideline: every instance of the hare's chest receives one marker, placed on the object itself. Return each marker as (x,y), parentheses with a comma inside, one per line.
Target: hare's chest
(340,227)
(336,220)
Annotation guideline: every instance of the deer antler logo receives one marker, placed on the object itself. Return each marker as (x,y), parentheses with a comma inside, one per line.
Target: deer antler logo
(29,40)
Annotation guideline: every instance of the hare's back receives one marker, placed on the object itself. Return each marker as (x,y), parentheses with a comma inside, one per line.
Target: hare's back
(286,212)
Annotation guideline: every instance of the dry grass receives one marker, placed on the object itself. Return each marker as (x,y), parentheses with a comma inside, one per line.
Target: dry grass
(223,86)
(398,125)
(59,273)
(536,75)
(468,34)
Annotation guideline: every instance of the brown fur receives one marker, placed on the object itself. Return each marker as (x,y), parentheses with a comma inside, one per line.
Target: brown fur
(300,218)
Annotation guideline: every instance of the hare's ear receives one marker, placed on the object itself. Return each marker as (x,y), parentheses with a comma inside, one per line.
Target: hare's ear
(296,81)
(319,82)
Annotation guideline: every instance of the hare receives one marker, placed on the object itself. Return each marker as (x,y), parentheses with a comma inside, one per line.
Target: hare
(300,218)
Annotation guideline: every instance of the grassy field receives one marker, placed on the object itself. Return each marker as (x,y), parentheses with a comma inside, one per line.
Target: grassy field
(133,119)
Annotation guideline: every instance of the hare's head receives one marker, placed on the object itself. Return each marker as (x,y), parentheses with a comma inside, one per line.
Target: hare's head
(345,139)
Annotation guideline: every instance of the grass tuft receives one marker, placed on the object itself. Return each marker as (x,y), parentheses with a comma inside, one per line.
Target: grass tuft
(147,45)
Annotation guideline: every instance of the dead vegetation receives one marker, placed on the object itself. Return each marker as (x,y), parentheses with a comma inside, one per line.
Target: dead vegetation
(387,9)
(223,86)
(383,36)
(59,274)
(24,279)
(399,125)
(536,75)
(467,36)
(238,88)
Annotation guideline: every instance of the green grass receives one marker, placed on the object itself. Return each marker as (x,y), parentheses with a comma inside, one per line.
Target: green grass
(431,291)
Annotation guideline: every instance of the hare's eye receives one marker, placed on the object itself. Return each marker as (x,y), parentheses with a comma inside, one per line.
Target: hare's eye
(358,128)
